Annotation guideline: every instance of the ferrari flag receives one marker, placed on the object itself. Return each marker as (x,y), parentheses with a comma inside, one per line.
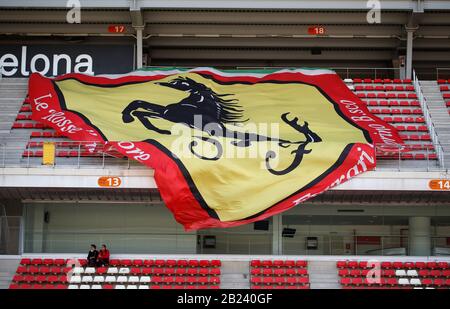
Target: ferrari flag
(227,147)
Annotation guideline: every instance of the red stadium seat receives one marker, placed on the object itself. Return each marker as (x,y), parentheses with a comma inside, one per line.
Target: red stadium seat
(255,263)
(216,263)
(193,263)
(341,264)
(301,264)
(138,263)
(148,263)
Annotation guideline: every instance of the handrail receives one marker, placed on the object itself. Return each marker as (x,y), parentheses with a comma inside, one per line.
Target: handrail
(434,137)
(395,157)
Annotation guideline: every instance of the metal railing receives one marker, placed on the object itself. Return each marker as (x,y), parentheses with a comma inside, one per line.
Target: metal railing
(434,137)
(67,154)
(390,157)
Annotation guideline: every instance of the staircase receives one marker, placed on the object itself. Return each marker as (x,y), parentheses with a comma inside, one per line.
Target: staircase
(235,275)
(12,143)
(323,275)
(8,268)
(439,115)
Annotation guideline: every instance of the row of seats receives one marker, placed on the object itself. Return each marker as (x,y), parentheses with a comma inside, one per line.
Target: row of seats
(394,282)
(61,153)
(145,279)
(279,280)
(160,271)
(43,270)
(384,88)
(399,119)
(435,273)
(279,263)
(126,262)
(393,103)
(407,156)
(279,272)
(420,128)
(396,111)
(107,287)
(57,144)
(443,81)
(383,95)
(46,262)
(379,81)
(123,262)
(394,265)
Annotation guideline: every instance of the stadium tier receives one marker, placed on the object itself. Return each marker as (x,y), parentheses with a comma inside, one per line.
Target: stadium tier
(359,195)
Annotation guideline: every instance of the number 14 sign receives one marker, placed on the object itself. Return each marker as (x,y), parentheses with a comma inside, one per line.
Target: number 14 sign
(439,184)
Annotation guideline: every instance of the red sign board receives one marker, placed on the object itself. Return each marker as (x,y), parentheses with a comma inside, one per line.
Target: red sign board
(116,28)
(316,30)
(368,240)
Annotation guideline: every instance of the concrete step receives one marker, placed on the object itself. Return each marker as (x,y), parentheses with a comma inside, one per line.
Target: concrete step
(235,275)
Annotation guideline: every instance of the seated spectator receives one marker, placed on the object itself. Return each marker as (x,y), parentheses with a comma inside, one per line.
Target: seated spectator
(103,256)
(92,256)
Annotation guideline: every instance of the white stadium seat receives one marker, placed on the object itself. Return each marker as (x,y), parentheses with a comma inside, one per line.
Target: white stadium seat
(85,287)
(122,279)
(73,287)
(75,279)
(144,287)
(99,279)
(415,281)
(89,270)
(132,287)
(145,279)
(412,273)
(112,270)
(87,279)
(403,281)
(78,270)
(133,279)
(124,271)
(400,273)
(110,279)
(120,287)
(96,287)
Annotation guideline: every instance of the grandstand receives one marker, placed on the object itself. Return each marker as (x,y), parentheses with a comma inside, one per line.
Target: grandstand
(395,219)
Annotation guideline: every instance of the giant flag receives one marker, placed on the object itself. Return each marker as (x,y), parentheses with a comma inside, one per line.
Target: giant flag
(227,147)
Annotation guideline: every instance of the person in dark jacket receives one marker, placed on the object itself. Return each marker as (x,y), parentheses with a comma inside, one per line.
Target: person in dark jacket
(92,256)
(103,256)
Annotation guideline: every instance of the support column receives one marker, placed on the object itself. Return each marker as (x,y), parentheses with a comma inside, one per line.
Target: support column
(409,51)
(419,236)
(139,47)
(277,241)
